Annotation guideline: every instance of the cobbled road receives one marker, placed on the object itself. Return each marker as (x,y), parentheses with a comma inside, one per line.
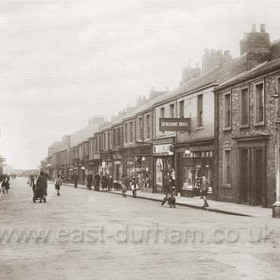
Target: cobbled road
(94,235)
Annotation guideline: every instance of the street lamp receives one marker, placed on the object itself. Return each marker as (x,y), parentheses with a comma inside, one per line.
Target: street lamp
(276,205)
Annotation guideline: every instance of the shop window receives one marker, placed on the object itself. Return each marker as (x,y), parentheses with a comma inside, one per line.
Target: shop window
(259,104)
(227,111)
(197,154)
(200,111)
(227,168)
(244,107)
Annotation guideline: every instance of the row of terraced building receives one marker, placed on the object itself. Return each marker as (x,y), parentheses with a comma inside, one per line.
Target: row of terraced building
(231,107)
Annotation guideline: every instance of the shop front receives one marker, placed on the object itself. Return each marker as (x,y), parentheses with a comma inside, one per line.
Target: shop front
(117,168)
(106,167)
(192,162)
(138,164)
(163,162)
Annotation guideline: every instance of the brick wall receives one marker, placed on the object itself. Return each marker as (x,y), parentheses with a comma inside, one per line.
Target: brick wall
(225,138)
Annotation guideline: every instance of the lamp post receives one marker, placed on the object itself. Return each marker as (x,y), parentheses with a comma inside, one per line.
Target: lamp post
(276,205)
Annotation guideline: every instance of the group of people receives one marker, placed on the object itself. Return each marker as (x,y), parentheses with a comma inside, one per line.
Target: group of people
(103,181)
(39,185)
(5,183)
(129,184)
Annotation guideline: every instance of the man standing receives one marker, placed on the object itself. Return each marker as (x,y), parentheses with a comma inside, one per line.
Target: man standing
(75,178)
(89,181)
(204,190)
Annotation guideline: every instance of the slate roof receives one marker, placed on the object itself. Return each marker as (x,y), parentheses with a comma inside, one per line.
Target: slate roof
(214,77)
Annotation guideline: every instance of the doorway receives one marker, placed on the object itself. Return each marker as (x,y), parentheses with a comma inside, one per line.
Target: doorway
(252,188)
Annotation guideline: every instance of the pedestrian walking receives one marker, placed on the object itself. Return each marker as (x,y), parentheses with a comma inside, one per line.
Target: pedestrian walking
(89,181)
(125,184)
(134,187)
(167,184)
(32,184)
(58,183)
(204,190)
(41,187)
(97,182)
(104,182)
(75,179)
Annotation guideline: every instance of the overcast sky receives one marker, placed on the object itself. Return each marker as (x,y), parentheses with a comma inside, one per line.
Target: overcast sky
(62,62)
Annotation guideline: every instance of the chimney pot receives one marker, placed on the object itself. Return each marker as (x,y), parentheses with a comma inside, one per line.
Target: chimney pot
(253,28)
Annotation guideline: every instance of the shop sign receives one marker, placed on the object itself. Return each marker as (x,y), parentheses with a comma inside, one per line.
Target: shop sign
(97,156)
(162,149)
(174,124)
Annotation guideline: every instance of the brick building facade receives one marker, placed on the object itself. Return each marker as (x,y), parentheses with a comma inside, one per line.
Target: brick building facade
(245,129)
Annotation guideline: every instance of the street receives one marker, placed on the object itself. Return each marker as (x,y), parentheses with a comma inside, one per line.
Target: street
(94,235)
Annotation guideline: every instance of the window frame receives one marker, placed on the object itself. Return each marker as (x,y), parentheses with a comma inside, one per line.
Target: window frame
(172,110)
(200,111)
(241,106)
(259,123)
(227,174)
(131,131)
(225,111)
(125,133)
(182,109)
(148,126)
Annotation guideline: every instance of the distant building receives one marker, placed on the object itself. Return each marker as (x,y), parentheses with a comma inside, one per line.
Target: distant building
(212,59)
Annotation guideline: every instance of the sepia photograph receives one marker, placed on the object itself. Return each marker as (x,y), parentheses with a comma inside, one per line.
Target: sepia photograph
(139,139)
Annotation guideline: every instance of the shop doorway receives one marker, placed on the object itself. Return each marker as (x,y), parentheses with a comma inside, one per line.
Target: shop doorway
(162,166)
(252,183)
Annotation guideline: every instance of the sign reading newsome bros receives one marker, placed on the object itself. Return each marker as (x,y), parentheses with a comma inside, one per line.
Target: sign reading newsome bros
(174,124)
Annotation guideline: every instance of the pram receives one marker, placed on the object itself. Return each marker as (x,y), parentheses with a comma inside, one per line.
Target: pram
(37,195)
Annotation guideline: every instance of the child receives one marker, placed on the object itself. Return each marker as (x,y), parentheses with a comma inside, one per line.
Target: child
(134,187)
(58,183)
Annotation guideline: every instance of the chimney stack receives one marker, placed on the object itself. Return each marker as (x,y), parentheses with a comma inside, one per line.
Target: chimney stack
(256,45)
(262,27)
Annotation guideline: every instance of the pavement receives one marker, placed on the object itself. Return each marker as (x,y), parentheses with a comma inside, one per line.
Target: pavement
(84,235)
(196,202)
